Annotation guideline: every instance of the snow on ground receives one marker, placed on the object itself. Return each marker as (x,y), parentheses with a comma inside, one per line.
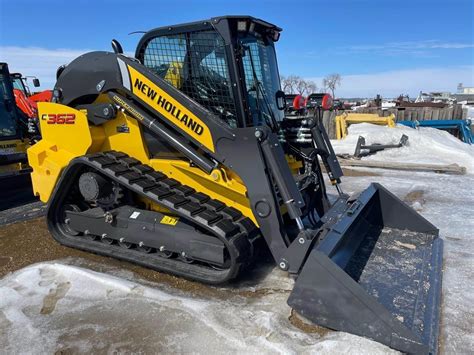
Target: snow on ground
(447,201)
(55,306)
(65,306)
(425,145)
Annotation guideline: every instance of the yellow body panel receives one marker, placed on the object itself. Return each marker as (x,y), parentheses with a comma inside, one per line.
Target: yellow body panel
(343,121)
(217,185)
(61,143)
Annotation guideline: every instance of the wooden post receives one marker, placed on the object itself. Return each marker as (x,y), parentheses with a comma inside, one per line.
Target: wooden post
(450,113)
(401,115)
(332,125)
(329,123)
(326,121)
(429,113)
(442,113)
(438,168)
(457,112)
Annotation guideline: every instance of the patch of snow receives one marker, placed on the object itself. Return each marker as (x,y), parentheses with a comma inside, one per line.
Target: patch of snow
(425,145)
(388,104)
(105,313)
(448,204)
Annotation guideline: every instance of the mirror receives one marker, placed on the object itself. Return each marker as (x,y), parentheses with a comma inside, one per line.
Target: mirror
(36,82)
(280,100)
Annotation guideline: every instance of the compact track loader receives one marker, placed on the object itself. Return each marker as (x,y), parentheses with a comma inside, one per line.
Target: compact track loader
(181,160)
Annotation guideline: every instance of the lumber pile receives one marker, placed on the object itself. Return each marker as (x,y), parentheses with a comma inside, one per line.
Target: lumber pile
(437,168)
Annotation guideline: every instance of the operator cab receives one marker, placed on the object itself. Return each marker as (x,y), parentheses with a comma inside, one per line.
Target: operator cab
(226,64)
(19,83)
(8,110)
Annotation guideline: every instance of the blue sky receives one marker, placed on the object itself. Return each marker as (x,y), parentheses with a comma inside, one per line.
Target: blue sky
(387,47)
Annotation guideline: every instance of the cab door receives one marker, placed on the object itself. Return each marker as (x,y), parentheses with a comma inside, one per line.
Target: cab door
(8,110)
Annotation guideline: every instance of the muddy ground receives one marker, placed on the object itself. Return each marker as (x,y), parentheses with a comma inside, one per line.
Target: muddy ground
(25,240)
(29,242)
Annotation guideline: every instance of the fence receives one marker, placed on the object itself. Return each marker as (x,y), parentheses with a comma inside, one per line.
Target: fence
(454,112)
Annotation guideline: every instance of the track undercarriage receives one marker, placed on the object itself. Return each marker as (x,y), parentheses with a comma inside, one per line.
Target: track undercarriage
(197,238)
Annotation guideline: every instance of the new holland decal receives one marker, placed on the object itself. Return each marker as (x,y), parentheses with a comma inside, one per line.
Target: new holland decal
(170,108)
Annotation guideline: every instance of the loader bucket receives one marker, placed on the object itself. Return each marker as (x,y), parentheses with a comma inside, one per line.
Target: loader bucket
(377,274)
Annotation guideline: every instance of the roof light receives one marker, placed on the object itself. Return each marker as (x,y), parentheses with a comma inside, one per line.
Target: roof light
(252,26)
(242,26)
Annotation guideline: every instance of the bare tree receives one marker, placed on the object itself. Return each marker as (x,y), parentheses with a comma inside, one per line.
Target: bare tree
(301,86)
(331,82)
(284,83)
(289,84)
(294,84)
(312,87)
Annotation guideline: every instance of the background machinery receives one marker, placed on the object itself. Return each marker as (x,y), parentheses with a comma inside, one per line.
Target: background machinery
(345,119)
(18,131)
(461,129)
(181,160)
(25,99)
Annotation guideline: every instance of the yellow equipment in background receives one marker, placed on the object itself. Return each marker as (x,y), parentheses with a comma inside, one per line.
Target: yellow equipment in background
(346,119)
(16,130)
(174,75)
(13,159)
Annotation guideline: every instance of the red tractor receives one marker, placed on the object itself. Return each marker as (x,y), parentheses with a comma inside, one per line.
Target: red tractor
(24,99)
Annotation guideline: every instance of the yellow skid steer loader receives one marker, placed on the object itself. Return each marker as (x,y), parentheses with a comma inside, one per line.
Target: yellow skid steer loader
(181,160)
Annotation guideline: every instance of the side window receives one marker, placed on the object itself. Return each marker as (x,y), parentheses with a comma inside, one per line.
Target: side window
(17,84)
(261,79)
(196,64)
(7,109)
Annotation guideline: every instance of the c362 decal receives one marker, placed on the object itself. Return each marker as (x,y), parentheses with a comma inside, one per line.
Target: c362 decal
(59,118)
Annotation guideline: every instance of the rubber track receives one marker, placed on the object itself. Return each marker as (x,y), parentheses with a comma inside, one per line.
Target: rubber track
(227,223)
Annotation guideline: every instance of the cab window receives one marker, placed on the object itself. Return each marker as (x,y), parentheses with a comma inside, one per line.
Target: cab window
(196,64)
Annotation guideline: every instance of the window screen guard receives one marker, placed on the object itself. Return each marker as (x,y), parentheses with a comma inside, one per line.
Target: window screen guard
(196,64)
